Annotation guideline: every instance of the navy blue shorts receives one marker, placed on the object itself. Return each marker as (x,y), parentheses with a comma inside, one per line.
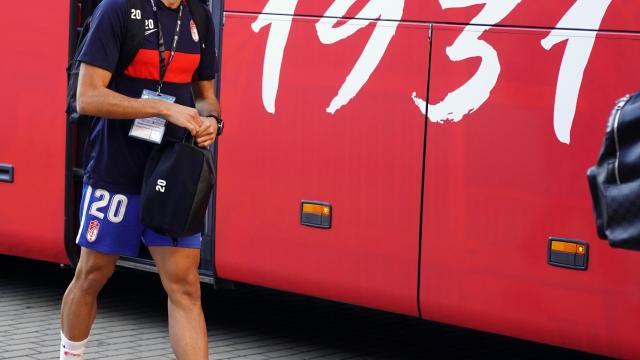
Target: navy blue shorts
(110,224)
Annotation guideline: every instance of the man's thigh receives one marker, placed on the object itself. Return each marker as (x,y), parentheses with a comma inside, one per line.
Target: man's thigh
(174,262)
(178,268)
(177,259)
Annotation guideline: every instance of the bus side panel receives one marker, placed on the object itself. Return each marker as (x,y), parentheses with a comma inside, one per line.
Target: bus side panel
(32,131)
(618,14)
(500,183)
(366,160)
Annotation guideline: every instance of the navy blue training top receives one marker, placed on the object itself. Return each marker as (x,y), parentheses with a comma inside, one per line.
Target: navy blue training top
(115,160)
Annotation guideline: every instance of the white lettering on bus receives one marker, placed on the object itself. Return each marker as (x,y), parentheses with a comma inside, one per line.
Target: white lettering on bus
(584,13)
(278,35)
(328,33)
(475,92)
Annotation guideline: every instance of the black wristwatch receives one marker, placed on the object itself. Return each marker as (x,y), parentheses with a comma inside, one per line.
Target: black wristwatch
(220,123)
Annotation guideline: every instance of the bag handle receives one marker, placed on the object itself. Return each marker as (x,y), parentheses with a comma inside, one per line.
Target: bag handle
(188,138)
(208,159)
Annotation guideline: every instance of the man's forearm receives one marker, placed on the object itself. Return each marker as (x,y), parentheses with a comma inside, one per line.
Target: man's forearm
(208,106)
(204,93)
(107,103)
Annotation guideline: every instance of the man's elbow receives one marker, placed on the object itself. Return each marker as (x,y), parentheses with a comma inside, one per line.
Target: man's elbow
(81,106)
(83,102)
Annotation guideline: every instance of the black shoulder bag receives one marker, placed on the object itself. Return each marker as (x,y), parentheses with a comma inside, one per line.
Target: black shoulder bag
(179,176)
(615,180)
(178,181)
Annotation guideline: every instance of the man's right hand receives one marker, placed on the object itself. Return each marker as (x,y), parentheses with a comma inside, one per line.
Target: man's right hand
(182,116)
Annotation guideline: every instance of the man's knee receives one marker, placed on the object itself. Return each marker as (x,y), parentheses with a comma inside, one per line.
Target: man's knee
(183,288)
(90,280)
(92,273)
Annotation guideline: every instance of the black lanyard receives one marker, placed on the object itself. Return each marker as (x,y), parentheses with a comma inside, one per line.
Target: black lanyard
(164,65)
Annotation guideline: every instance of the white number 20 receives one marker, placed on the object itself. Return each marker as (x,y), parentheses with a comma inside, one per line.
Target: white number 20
(136,14)
(117,207)
(161,185)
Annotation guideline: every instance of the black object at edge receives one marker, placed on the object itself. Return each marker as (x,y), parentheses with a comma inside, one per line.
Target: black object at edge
(596,197)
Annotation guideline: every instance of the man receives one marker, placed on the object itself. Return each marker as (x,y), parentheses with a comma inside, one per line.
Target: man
(110,224)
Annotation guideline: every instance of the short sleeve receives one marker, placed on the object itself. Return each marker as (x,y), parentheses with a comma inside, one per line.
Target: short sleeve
(208,67)
(102,46)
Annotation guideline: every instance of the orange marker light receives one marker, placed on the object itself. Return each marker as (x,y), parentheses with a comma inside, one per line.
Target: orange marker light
(581,250)
(312,208)
(565,247)
(316,209)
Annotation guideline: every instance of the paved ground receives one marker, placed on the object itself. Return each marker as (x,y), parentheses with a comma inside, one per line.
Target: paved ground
(247,323)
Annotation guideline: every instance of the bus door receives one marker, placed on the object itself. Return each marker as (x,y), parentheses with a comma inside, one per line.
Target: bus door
(514,175)
(320,167)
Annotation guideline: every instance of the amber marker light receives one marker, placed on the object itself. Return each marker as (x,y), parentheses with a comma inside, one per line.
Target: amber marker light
(566,247)
(316,209)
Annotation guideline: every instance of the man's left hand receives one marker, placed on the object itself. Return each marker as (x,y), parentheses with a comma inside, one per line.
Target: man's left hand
(206,135)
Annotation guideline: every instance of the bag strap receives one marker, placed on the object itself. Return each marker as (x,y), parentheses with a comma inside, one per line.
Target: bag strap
(133,38)
(82,39)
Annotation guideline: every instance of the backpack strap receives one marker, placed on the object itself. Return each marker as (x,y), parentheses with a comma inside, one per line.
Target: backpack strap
(201,18)
(82,38)
(73,73)
(133,38)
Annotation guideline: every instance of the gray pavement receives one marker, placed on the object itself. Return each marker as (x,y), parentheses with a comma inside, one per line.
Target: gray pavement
(246,323)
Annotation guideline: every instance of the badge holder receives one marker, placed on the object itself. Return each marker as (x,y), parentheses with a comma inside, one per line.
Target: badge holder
(151,129)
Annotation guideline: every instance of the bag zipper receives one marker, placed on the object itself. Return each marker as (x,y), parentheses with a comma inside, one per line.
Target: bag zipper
(620,104)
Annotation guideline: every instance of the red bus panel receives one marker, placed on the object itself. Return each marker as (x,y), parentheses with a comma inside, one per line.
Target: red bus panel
(506,177)
(32,131)
(619,15)
(365,159)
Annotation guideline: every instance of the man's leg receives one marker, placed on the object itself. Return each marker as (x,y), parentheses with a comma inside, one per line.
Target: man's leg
(79,303)
(178,269)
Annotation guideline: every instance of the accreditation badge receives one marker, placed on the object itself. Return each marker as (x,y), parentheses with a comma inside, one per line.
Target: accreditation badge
(151,129)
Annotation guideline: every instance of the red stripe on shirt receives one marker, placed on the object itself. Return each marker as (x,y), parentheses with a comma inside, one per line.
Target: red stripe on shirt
(146,65)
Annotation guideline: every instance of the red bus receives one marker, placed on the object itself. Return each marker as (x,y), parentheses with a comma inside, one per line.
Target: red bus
(423,157)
